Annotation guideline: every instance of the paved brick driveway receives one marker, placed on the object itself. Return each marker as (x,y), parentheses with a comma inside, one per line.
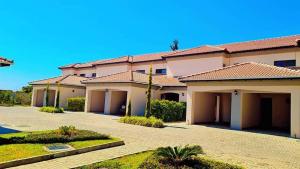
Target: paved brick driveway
(249,149)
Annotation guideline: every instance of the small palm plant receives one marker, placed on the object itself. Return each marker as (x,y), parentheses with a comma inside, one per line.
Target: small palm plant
(178,154)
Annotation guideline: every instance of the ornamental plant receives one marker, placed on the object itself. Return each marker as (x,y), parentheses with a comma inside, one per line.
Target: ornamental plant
(148,104)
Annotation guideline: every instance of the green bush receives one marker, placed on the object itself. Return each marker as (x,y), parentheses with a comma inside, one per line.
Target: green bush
(154,162)
(54,137)
(168,110)
(22,98)
(67,130)
(143,121)
(51,110)
(76,104)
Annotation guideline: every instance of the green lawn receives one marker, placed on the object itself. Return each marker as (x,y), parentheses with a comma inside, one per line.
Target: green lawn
(125,162)
(17,151)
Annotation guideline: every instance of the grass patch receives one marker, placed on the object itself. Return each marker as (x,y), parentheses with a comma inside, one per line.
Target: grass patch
(51,110)
(142,121)
(125,162)
(25,150)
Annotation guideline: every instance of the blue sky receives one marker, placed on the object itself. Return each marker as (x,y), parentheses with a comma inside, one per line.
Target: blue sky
(42,35)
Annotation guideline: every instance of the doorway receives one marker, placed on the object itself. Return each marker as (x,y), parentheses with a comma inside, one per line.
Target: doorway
(266,113)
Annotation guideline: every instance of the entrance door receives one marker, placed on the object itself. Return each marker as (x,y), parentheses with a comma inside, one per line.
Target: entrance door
(266,113)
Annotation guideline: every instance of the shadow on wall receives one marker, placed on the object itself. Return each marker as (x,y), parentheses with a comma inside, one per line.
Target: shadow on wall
(4,130)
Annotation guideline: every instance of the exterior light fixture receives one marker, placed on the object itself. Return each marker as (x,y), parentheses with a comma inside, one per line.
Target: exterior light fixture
(182,94)
(236,92)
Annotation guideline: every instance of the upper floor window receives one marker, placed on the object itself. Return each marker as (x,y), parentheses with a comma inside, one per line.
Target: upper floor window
(140,71)
(82,75)
(161,71)
(285,63)
(94,74)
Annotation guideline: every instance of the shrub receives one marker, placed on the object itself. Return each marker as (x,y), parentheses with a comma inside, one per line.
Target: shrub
(22,98)
(54,136)
(51,110)
(143,121)
(76,104)
(168,110)
(67,130)
(178,154)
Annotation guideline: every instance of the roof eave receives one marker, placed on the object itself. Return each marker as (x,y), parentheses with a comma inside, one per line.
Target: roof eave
(274,78)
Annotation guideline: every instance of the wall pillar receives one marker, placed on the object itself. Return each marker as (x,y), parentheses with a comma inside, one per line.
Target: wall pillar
(107,104)
(55,97)
(33,97)
(189,107)
(295,114)
(44,100)
(236,110)
(87,101)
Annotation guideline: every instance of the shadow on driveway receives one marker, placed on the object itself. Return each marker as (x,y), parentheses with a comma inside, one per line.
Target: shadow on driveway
(4,130)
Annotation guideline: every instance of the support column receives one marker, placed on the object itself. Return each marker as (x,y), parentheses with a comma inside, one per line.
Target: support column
(295,114)
(189,107)
(33,97)
(236,110)
(107,102)
(55,97)
(87,104)
(218,109)
(44,100)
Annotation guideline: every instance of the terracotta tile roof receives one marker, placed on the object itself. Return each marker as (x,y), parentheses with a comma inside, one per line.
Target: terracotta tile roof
(244,71)
(136,77)
(5,62)
(285,41)
(151,56)
(64,80)
(198,50)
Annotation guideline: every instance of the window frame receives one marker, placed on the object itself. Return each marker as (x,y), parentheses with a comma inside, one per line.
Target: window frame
(161,71)
(285,63)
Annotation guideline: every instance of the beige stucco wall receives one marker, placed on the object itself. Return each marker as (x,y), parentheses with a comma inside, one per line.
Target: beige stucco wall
(270,86)
(250,110)
(181,91)
(225,107)
(68,71)
(97,99)
(267,56)
(118,98)
(103,70)
(204,107)
(65,93)
(146,66)
(194,64)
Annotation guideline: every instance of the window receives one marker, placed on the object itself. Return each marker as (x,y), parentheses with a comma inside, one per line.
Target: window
(161,71)
(140,71)
(75,74)
(94,74)
(82,75)
(285,63)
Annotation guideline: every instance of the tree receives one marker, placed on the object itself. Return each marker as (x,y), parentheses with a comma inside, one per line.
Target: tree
(148,104)
(47,94)
(58,95)
(174,46)
(27,89)
(128,112)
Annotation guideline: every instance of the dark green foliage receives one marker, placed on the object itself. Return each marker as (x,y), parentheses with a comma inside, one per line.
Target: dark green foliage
(67,130)
(22,98)
(58,96)
(175,45)
(168,110)
(51,109)
(54,137)
(10,98)
(27,89)
(47,94)
(178,154)
(148,104)
(76,104)
(143,121)
(128,112)
(154,162)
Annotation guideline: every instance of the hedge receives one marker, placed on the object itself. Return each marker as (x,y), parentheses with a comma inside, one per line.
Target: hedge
(51,109)
(76,104)
(168,111)
(54,136)
(143,121)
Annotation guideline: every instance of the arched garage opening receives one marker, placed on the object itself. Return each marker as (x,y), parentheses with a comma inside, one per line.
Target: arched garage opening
(170,96)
